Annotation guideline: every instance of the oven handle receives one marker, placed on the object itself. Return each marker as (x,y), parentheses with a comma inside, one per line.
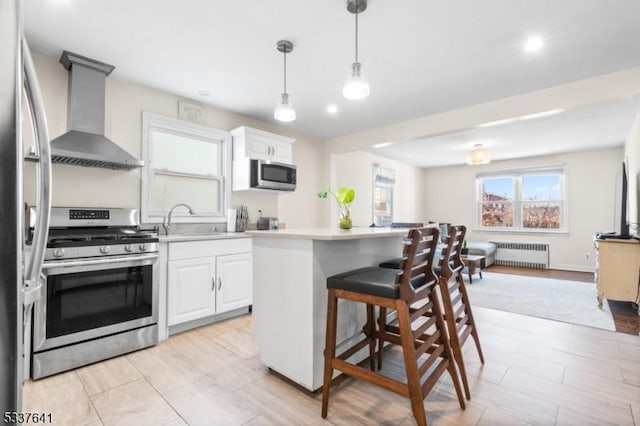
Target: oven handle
(71,266)
(32,282)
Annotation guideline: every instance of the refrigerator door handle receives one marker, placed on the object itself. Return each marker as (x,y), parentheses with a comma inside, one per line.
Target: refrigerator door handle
(32,282)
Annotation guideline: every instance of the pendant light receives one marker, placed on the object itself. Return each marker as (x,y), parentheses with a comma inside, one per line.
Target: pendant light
(478,155)
(356,86)
(284,110)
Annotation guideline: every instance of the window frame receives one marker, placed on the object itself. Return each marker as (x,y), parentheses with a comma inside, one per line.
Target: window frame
(388,185)
(517,175)
(151,122)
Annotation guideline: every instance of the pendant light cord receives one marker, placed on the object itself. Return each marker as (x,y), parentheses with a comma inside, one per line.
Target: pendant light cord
(356,30)
(285,70)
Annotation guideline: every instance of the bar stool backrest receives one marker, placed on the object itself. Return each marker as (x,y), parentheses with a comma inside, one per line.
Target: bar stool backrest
(451,262)
(416,276)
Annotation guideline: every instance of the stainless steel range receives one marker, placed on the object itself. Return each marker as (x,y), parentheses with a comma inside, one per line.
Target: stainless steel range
(100,289)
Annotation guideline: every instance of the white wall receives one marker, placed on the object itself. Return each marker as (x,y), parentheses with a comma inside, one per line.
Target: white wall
(125,102)
(355,169)
(450,197)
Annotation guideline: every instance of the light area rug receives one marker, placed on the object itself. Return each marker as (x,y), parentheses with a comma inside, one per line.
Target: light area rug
(561,300)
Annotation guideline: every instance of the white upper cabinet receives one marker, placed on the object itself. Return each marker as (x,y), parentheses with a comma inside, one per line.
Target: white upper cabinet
(261,145)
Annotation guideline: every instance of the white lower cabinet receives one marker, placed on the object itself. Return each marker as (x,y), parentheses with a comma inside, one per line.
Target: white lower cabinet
(191,289)
(233,271)
(206,278)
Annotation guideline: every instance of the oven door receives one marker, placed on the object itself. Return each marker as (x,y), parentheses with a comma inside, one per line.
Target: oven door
(86,299)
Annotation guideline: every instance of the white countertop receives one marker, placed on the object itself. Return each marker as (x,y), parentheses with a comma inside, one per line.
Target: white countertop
(172,238)
(329,233)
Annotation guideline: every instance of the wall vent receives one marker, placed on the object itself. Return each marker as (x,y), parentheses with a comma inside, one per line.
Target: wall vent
(524,255)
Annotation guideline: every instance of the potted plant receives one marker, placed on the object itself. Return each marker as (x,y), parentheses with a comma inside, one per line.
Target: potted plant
(343,196)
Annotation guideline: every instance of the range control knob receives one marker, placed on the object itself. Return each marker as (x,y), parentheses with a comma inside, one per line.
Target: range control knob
(128,248)
(142,247)
(104,249)
(59,252)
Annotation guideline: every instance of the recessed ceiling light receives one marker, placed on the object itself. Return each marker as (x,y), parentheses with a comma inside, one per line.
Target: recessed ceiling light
(332,108)
(203,92)
(533,44)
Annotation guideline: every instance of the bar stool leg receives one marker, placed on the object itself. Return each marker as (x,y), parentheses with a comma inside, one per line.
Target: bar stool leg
(330,349)
(370,331)
(437,310)
(411,365)
(474,329)
(457,354)
(382,327)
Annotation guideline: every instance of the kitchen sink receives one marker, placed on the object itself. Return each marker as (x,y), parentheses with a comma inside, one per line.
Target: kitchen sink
(194,229)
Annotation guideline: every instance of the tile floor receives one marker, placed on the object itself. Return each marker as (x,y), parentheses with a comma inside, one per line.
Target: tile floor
(537,372)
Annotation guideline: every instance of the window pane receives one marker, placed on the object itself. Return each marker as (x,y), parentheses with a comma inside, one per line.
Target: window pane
(168,191)
(497,189)
(185,154)
(382,200)
(497,215)
(541,187)
(541,215)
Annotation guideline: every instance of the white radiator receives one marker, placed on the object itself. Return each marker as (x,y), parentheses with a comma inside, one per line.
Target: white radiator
(526,255)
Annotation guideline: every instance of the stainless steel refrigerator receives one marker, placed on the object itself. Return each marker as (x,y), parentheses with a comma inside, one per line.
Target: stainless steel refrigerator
(20,270)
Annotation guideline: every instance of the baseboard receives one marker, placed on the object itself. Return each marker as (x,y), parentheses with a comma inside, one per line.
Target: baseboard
(573,268)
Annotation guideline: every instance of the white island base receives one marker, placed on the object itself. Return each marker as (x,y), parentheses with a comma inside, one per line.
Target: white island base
(290,296)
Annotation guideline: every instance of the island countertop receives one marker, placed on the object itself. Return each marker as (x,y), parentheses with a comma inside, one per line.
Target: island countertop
(328,233)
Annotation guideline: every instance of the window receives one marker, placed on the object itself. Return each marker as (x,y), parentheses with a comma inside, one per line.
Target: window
(184,163)
(383,183)
(524,200)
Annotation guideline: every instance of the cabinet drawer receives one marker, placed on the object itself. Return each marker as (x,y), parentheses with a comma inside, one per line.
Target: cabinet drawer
(192,249)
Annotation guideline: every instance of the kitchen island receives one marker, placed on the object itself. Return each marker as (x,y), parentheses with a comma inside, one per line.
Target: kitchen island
(290,298)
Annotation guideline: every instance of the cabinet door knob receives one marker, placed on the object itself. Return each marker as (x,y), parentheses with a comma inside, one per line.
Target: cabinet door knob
(213,283)
(219,283)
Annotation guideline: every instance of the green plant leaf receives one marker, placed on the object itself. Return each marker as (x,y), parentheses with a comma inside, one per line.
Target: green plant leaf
(345,195)
(323,194)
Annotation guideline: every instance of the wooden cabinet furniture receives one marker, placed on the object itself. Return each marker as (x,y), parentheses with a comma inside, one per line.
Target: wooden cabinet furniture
(618,270)
(207,278)
(261,145)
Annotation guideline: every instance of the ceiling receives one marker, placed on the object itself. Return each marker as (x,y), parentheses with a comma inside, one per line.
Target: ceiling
(420,57)
(582,129)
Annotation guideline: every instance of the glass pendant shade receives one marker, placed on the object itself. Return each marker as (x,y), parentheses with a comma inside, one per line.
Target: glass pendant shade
(284,110)
(356,86)
(478,155)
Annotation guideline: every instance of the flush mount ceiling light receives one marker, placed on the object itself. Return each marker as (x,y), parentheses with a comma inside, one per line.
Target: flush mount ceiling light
(284,110)
(478,155)
(356,86)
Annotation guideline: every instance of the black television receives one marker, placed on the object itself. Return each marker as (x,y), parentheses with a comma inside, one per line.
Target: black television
(621,207)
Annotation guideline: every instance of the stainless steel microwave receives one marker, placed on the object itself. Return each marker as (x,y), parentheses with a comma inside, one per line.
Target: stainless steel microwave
(249,173)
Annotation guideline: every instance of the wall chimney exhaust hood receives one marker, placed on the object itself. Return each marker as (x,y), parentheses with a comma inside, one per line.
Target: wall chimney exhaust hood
(85,144)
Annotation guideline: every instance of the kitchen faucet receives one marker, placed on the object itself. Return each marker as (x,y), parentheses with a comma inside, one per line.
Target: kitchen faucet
(166,224)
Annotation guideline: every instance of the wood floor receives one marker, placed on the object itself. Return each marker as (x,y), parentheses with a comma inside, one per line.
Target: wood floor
(537,372)
(625,314)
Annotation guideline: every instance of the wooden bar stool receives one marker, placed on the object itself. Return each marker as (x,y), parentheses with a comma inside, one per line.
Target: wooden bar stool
(419,335)
(457,307)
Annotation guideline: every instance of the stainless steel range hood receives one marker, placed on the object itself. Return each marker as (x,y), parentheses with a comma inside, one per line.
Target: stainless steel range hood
(85,144)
